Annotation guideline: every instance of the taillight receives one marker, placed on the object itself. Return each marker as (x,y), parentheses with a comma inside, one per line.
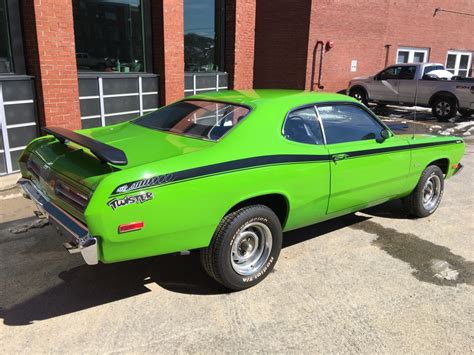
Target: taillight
(130,227)
(71,195)
(33,168)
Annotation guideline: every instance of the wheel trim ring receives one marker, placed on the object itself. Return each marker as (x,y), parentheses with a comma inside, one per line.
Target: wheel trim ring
(252,263)
(431,192)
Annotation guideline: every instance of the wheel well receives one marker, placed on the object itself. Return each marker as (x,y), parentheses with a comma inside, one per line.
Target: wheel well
(443,164)
(442,94)
(276,202)
(358,87)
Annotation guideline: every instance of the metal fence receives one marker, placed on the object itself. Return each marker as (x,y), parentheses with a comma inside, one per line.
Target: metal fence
(107,99)
(18,120)
(196,83)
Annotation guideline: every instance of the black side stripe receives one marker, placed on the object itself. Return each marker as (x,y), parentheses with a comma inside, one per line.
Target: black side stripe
(254,162)
(218,168)
(397,148)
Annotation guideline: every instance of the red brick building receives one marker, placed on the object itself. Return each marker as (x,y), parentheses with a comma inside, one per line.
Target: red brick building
(87,63)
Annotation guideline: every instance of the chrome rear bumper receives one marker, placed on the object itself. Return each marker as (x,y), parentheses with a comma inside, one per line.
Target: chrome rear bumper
(83,242)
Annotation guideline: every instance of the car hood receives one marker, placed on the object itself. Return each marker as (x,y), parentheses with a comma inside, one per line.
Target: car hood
(141,145)
(361,78)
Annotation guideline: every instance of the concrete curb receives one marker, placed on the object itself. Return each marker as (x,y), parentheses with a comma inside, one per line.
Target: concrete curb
(9,181)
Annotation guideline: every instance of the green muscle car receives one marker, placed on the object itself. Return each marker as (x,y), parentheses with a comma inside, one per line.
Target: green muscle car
(226,173)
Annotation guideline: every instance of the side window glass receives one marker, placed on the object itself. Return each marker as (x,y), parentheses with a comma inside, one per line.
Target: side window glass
(408,73)
(390,73)
(348,123)
(302,126)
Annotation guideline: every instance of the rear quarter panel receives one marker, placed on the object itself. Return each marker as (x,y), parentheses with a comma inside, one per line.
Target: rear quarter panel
(452,150)
(183,215)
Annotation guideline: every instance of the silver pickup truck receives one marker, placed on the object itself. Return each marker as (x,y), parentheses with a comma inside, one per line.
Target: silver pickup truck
(417,84)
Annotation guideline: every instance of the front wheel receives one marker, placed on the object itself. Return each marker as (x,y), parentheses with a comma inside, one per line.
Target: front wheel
(360,95)
(426,196)
(244,248)
(444,108)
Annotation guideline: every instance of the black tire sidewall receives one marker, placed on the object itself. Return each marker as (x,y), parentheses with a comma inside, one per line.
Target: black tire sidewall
(363,94)
(420,210)
(226,272)
(452,113)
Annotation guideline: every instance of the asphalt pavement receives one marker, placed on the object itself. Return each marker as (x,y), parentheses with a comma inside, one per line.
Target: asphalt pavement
(372,282)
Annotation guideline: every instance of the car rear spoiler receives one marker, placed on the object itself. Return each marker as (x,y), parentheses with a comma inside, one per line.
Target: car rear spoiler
(104,152)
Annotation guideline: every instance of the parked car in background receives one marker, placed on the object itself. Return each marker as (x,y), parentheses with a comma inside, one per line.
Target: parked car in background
(422,84)
(227,172)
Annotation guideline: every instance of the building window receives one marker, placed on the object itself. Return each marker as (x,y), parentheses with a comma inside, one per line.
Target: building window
(5,49)
(109,35)
(412,55)
(459,63)
(202,35)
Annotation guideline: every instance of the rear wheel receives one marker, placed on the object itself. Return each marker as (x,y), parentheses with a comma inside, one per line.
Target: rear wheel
(426,197)
(244,248)
(444,107)
(360,95)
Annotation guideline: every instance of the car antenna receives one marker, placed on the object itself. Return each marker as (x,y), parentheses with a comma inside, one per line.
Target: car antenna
(416,103)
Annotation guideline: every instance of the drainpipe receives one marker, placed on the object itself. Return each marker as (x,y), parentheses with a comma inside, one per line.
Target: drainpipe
(387,52)
(321,59)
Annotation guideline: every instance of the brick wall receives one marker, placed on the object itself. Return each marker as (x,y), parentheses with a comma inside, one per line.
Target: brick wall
(281,43)
(360,30)
(50,57)
(240,42)
(168,48)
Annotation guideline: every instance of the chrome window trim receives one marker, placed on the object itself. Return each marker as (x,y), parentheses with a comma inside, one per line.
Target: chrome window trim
(313,105)
(321,125)
(355,104)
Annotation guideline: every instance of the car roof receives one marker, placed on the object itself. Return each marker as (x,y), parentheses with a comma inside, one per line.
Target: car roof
(284,98)
(412,64)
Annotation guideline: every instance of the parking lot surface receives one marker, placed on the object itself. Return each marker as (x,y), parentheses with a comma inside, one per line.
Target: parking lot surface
(374,281)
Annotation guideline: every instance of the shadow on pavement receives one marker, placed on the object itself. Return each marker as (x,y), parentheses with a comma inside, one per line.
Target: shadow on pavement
(392,209)
(82,287)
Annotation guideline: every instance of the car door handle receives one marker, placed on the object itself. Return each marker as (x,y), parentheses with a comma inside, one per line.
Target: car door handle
(337,157)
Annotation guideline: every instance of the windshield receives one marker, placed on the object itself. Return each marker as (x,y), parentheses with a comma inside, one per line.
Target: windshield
(195,118)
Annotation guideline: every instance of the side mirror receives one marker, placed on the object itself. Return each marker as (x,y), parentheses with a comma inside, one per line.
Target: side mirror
(385,134)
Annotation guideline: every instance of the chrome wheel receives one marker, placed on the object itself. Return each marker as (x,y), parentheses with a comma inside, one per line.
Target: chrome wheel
(431,192)
(251,248)
(443,108)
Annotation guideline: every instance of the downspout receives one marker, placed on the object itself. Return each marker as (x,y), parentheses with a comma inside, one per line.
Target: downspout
(321,59)
(387,53)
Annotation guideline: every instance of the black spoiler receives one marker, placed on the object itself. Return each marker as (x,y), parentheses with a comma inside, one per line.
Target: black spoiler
(104,152)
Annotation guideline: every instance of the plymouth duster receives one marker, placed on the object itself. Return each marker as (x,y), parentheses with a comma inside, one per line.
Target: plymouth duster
(226,173)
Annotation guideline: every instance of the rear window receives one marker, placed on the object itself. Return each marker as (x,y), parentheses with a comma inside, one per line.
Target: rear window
(195,118)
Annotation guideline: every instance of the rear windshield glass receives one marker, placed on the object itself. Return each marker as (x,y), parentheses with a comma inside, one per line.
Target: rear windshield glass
(193,118)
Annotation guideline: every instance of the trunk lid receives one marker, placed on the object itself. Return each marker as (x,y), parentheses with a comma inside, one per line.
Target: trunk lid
(141,146)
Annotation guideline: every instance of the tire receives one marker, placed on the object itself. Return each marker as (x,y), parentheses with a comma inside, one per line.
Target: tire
(245,247)
(360,95)
(465,112)
(421,203)
(444,107)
